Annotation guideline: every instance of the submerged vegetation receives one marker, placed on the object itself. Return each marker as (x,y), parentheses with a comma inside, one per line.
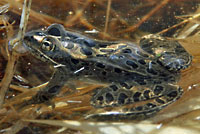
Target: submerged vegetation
(100,19)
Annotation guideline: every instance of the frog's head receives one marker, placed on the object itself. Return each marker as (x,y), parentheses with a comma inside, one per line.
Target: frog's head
(45,44)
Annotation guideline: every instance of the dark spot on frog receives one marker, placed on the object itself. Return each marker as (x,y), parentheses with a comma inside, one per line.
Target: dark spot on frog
(86,51)
(74,61)
(102,45)
(100,65)
(114,87)
(127,51)
(157,81)
(158,89)
(123,84)
(141,81)
(136,96)
(141,61)
(104,73)
(150,105)
(139,108)
(89,43)
(107,50)
(132,64)
(160,101)
(117,70)
(101,55)
(151,71)
(122,98)
(109,97)
(121,57)
(146,94)
(100,99)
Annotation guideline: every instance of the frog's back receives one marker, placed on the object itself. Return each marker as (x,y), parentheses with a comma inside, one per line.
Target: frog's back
(117,61)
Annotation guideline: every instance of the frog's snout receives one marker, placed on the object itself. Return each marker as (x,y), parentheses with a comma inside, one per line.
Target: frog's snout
(28,38)
(17,46)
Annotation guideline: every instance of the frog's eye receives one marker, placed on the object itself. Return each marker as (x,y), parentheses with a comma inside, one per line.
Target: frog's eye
(47,45)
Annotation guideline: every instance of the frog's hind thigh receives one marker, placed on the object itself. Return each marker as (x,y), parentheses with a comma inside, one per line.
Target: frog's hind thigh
(148,108)
(169,52)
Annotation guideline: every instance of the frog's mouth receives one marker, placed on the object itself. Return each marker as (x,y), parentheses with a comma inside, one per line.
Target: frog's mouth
(29,44)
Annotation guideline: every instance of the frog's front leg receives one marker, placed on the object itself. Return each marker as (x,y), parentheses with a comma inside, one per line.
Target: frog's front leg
(52,89)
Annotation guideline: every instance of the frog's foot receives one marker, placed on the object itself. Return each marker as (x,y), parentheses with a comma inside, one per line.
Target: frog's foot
(169,52)
(151,102)
(41,97)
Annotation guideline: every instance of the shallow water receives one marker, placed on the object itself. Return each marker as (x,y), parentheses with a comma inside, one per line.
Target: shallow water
(128,20)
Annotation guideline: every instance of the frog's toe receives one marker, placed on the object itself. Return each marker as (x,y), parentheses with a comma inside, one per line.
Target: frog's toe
(175,63)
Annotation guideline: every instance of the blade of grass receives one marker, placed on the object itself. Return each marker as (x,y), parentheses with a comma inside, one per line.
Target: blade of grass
(146,17)
(16,43)
(107,16)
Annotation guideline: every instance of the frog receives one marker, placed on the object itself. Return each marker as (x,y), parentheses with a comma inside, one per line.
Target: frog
(140,77)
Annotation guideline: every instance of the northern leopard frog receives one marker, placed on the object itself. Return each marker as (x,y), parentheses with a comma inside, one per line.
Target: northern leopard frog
(143,74)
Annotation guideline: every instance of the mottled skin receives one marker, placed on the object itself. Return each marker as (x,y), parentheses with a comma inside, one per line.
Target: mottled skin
(144,73)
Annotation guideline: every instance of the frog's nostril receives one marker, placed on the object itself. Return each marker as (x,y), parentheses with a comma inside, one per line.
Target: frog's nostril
(28,38)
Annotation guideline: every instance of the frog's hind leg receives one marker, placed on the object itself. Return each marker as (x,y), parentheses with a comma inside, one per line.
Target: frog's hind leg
(117,95)
(133,111)
(169,53)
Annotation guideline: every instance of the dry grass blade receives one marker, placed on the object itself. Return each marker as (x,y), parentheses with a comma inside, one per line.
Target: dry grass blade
(24,19)
(146,17)
(77,15)
(98,127)
(181,23)
(14,56)
(17,88)
(4,9)
(118,128)
(19,125)
(107,16)
(7,77)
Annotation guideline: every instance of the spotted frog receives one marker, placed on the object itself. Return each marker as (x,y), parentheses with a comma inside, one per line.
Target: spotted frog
(141,78)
